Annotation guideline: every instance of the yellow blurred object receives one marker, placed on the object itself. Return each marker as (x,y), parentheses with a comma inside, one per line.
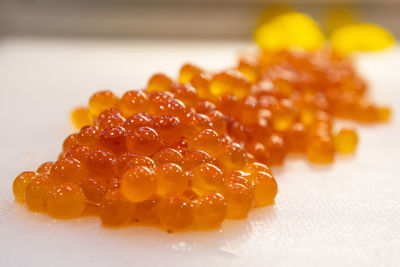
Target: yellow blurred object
(361,37)
(345,141)
(80,117)
(288,31)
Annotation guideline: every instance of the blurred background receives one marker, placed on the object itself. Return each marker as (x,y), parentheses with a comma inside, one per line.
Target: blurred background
(173,19)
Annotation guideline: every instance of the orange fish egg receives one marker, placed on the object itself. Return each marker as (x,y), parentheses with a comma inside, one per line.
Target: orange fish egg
(139,183)
(20,183)
(207,177)
(115,209)
(101,101)
(65,201)
(210,210)
(175,212)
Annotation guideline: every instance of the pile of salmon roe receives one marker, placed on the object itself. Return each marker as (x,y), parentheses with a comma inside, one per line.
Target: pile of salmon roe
(193,152)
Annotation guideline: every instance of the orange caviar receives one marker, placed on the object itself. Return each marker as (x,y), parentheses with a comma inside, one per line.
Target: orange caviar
(345,141)
(196,151)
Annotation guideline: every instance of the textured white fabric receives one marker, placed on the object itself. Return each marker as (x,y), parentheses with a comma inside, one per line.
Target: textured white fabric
(346,214)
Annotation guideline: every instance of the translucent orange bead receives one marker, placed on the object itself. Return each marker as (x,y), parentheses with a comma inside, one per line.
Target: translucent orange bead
(238,131)
(276,149)
(36,193)
(144,140)
(285,86)
(79,153)
(229,105)
(232,156)
(195,123)
(169,128)
(307,115)
(249,68)
(20,183)
(202,84)
(101,101)
(323,118)
(207,140)
(267,101)
(265,188)
(112,120)
(320,129)
(258,151)
(158,98)
(218,121)
(171,179)
(204,106)
(88,136)
(384,113)
(129,160)
(254,167)
(175,212)
(101,163)
(195,157)
(296,138)
(230,82)
(249,111)
(45,168)
(108,118)
(146,211)
(210,210)
(366,112)
(65,201)
(190,194)
(115,209)
(181,146)
(240,200)
(133,102)
(345,141)
(70,141)
(168,155)
(321,150)
(171,107)
(207,177)
(187,72)
(343,107)
(67,170)
(139,183)
(239,177)
(185,93)
(123,159)
(104,114)
(80,117)
(159,83)
(113,183)
(283,117)
(114,139)
(138,120)
(94,189)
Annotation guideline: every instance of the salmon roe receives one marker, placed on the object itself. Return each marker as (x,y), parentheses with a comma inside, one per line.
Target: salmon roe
(36,193)
(65,200)
(175,212)
(345,141)
(195,151)
(101,101)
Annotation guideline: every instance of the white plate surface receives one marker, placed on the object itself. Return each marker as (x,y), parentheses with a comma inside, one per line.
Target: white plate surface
(346,214)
